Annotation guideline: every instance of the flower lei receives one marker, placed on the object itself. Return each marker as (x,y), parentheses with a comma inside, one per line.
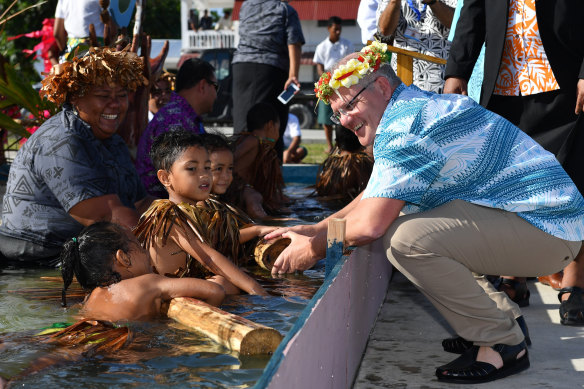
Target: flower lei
(348,74)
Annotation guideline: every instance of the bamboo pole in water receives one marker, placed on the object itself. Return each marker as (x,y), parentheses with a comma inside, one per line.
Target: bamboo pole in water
(232,331)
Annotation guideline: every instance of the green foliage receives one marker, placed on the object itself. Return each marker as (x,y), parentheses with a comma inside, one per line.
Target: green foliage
(161,19)
(28,21)
(18,91)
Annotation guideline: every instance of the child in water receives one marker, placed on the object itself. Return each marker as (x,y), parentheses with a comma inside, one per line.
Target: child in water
(108,261)
(233,227)
(346,171)
(256,160)
(175,231)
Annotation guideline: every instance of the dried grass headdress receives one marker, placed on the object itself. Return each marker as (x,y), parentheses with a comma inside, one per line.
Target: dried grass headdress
(101,65)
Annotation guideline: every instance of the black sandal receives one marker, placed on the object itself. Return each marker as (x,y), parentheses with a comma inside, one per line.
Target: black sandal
(522,293)
(467,370)
(572,310)
(458,345)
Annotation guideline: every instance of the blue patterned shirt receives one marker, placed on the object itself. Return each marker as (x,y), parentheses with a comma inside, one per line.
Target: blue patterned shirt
(430,149)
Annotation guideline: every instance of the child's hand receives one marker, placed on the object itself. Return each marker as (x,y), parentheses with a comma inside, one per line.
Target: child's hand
(263,230)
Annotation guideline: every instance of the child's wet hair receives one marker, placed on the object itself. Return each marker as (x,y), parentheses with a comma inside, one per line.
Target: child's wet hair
(347,140)
(260,114)
(90,256)
(169,146)
(214,141)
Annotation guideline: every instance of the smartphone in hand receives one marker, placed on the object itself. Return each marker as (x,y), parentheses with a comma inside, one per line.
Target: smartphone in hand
(288,93)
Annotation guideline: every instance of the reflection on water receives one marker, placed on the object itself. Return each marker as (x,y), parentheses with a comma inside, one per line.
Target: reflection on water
(164,353)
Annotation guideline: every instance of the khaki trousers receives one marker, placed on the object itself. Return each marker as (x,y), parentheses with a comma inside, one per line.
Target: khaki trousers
(438,251)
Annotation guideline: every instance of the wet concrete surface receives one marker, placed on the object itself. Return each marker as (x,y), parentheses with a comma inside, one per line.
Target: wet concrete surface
(405,348)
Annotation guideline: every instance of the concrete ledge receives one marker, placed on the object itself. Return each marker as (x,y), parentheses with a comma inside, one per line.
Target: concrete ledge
(325,346)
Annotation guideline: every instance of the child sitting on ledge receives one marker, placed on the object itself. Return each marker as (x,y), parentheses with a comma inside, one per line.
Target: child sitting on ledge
(256,160)
(175,230)
(108,261)
(345,172)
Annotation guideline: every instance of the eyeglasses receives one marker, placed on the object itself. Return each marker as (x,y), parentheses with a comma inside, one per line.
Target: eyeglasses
(336,116)
(214,83)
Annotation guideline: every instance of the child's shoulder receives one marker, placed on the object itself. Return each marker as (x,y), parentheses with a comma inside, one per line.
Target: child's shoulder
(164,217)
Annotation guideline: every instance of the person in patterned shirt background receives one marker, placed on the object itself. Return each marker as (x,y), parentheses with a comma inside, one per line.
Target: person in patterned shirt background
(455,189)
(196,91)
(421,26)
(534,77)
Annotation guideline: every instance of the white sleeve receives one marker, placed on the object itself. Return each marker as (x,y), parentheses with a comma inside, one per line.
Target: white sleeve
(60,12)
(366,19)
(318,55)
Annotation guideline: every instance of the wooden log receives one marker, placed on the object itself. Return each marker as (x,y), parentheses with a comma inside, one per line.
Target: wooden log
(234,332)
(335,242)
(266,252)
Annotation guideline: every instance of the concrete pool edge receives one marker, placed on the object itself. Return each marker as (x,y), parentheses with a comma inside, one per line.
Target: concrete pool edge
(325,346)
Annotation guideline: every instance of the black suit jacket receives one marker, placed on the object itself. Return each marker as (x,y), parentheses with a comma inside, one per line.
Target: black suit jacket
(561,27)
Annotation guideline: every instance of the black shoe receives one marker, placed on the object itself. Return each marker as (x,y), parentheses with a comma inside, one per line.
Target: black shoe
(458,345)
(572,310)
(521,292)
(467,370)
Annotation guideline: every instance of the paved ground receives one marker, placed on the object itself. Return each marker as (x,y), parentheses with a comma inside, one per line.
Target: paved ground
(405,346)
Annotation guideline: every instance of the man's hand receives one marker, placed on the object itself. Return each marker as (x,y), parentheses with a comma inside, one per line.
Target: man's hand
(298,255)
(456,85)
(302,229)
(580,98)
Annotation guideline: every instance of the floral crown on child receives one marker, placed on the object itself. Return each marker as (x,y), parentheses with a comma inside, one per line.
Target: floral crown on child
(348,74)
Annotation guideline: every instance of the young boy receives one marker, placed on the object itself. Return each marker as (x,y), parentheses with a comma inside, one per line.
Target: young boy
(293,151)
(173,230)
(231,227)
(256,160)
(327,53)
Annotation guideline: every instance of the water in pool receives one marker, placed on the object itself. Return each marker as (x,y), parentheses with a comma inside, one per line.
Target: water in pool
(163,353)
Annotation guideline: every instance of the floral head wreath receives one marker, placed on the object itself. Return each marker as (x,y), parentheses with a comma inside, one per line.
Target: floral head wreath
(101,65)
(350,73)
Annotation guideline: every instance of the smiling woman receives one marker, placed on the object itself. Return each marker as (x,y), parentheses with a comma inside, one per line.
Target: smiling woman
(75,170)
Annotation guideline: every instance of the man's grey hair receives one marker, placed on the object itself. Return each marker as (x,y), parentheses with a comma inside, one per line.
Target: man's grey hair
(385,70)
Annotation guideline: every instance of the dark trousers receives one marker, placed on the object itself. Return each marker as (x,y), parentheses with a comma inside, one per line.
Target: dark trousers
(19,251)
(253,83)
(550,120)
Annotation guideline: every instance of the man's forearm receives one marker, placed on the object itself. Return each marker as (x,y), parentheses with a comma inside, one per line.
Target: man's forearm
(443,12)
(389,18)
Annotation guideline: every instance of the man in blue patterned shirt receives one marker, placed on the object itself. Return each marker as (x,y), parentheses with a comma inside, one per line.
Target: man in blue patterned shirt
(455,189)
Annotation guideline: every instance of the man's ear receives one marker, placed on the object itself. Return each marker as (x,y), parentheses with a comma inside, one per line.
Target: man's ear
(385,87)
(163,177)
(123,258)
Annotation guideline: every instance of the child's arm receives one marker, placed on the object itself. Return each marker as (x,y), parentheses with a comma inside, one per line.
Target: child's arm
(215,261)
(248,233)
(209,292)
